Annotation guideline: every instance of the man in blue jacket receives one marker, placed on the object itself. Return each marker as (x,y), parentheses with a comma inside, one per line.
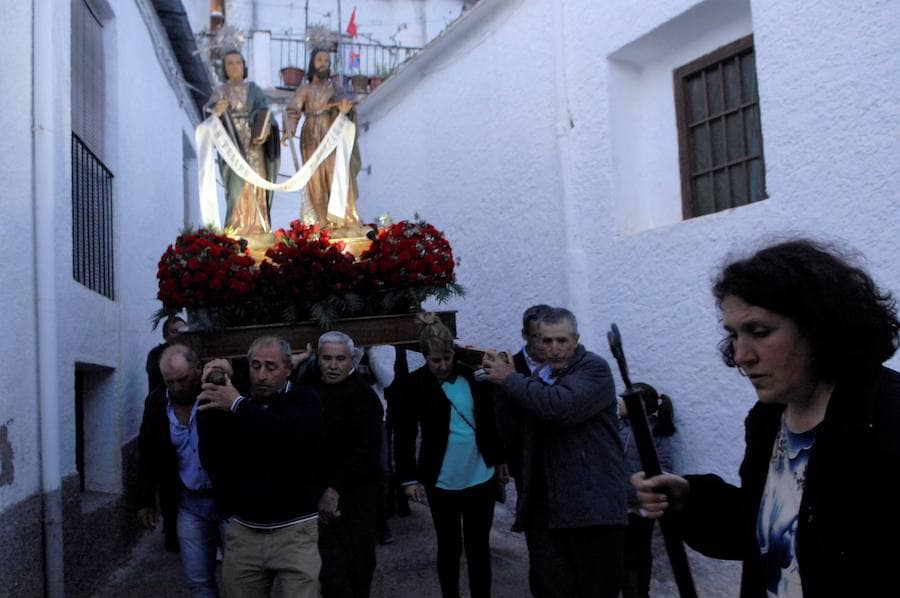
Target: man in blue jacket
(572,498)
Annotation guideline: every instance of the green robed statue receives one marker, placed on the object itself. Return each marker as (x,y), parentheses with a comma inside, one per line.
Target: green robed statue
(244,110)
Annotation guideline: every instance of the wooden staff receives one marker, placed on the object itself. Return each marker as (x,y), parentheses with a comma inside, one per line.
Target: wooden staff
(290,139)
(650,462)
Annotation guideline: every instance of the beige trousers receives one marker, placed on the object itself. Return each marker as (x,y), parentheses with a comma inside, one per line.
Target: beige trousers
(279,562)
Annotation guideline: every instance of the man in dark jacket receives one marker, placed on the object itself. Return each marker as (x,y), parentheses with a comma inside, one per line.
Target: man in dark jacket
(526,361)
(168,464)
(352,417)
(263,452)
(573,493)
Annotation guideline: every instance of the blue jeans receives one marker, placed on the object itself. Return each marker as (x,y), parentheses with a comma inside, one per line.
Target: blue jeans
(199,535)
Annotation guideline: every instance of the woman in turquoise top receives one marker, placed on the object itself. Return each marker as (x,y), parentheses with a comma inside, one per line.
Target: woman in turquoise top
(458,457)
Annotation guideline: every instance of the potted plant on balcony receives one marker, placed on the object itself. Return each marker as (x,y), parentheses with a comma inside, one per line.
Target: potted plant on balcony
(381,73)
(292,76)
(360,83)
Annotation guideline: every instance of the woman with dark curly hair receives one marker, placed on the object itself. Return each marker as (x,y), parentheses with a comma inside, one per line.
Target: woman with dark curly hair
(810,331)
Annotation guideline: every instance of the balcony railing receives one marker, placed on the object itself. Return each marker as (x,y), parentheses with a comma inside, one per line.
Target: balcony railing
(267,55)
(369,60)
(92,221)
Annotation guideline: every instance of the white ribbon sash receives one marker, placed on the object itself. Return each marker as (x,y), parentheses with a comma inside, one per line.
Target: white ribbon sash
(211,137)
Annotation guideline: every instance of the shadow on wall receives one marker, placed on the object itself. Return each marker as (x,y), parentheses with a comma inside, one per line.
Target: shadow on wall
(7,471)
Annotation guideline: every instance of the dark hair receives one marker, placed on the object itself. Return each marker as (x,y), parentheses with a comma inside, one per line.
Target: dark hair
(556,315)
(271,341)
(244,62)
(311,69)
(434,336)
(850,324)
(533,314)
(661,405)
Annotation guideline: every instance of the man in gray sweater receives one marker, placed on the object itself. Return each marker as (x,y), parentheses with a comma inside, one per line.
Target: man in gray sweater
(572,495)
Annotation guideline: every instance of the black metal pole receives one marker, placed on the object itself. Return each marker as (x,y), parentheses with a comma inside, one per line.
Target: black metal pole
(637,417)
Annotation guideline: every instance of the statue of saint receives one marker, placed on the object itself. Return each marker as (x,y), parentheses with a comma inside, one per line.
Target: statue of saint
(318,103)
(244,110)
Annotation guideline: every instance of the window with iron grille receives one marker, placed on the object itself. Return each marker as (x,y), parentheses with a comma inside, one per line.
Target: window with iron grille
(92,218)
(719,133)
(92,199)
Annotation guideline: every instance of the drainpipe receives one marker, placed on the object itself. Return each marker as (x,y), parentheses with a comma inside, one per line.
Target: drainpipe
(576,271)
(46,159)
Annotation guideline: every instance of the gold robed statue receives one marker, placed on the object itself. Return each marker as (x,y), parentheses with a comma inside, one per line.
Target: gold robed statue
(244,110)
(317,101)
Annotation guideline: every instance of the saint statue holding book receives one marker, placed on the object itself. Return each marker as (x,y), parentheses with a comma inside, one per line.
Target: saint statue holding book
(244,110)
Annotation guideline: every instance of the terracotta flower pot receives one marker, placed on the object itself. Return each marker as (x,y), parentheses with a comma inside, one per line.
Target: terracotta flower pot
(292,76)
(360,83)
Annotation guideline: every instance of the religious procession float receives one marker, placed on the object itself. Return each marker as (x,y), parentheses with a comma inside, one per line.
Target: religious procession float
(325,271)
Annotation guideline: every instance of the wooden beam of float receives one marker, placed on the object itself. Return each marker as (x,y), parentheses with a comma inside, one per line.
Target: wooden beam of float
(371,330)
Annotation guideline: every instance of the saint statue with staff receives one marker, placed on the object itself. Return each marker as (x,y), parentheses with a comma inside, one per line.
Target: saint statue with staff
(317,100)
(244,110)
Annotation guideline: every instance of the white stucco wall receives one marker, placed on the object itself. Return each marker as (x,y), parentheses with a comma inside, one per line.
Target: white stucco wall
(548,159)
(17,376)
(145,129)
(442,143)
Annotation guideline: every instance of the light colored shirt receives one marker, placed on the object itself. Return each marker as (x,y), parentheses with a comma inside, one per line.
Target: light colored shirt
(776,528)
(463,465)
(545,373)
(532,364)
(186,442)
(381,362)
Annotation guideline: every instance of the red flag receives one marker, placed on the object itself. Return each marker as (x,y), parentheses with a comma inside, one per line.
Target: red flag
(351,26)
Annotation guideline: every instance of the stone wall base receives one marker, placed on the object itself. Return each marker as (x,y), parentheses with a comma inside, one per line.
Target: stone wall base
(98,533)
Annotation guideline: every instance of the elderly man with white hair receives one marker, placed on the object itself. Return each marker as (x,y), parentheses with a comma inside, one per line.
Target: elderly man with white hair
(352,417)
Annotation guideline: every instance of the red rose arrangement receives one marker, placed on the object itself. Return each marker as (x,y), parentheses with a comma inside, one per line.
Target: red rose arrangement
(306,267)
(204,268)
(408,262)
(408,254)
(304,275)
